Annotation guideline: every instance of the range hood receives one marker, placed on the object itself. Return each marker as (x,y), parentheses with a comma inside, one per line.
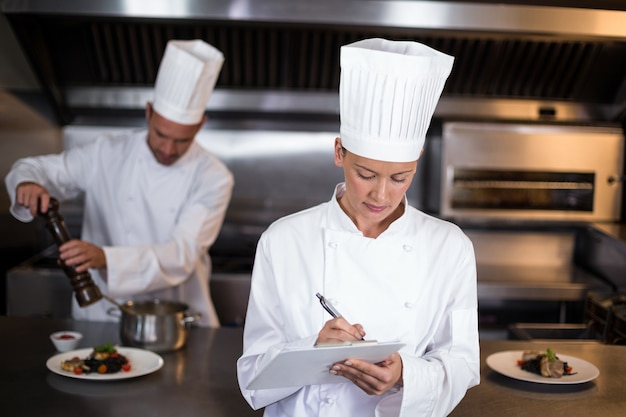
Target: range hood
(531,62)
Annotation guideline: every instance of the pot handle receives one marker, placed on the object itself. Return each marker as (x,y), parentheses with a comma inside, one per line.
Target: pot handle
(188,320)
(115,312)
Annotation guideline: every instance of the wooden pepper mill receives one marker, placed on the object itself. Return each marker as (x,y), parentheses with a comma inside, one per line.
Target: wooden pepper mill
(85,290)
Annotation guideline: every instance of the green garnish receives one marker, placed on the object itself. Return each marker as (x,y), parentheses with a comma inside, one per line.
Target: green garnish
(109,348)
(550,354)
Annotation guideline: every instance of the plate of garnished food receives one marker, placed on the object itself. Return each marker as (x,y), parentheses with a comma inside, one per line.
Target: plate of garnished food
(105,362)
(544,367)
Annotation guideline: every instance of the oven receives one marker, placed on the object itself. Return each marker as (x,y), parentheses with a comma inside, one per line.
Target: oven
(525,195)
(536,172)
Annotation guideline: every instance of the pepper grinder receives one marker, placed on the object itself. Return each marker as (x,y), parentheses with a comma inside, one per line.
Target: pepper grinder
(85,290)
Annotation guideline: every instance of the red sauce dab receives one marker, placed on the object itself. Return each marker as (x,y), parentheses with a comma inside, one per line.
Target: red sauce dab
(65,336)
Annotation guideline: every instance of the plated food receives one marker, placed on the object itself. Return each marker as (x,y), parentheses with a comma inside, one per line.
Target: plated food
(546,364)
(507,364)
(103,359)
(142,362)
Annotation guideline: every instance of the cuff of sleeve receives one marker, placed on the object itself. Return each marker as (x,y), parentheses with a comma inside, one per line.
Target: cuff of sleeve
(21,213)
(421,379)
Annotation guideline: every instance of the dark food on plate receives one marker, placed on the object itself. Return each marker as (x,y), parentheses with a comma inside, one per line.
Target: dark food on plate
(545,364)
(103,359)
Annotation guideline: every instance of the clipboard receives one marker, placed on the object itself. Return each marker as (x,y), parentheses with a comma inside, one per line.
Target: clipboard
(297,367)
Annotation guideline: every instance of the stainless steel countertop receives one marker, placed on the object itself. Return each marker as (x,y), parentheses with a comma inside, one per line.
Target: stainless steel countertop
(614,230)
(498,395)
(199,380)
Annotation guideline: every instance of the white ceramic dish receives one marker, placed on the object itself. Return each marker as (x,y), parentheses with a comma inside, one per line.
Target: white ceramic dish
(142,362)
(505,363)
(65,344)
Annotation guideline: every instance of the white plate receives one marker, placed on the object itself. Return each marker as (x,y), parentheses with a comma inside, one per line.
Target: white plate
(505,363)
(142,362)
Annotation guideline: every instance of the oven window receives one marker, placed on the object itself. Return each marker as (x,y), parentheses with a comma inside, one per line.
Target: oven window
(522,190)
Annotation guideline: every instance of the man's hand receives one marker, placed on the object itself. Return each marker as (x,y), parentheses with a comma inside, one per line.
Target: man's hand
(33,196)
(373,378)
(82,255)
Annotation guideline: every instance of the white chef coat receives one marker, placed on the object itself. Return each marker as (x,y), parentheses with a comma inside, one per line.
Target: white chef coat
(415,283)
(155,223)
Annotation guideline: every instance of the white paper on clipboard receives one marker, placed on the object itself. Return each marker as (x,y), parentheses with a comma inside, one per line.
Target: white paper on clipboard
(296,367)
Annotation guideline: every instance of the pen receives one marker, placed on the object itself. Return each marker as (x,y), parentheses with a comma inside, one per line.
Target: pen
(331,309)
(328,306)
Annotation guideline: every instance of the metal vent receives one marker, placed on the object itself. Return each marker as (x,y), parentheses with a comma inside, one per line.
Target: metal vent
(125,54)
(110,51)
(256,57)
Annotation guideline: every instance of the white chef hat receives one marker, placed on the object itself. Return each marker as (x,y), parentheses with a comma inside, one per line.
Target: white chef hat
(388,93)
(185,81)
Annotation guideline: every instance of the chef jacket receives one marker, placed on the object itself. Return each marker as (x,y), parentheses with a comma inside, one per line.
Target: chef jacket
(155,223)
(415,283)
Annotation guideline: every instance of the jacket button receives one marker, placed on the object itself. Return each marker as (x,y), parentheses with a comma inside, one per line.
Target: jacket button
(333,245)
(408,304)
(407,248)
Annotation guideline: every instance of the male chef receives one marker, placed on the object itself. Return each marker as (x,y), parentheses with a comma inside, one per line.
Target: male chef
(155,200)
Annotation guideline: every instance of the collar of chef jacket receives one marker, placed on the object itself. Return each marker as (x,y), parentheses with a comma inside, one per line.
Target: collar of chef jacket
(339,220)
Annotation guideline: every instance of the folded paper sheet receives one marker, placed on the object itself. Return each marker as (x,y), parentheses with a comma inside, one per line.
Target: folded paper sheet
(296,367)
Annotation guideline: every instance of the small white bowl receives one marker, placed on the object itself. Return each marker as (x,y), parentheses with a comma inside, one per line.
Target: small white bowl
(65,340)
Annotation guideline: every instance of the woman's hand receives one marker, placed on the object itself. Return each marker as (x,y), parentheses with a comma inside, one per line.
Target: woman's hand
(373,378)
(339,330)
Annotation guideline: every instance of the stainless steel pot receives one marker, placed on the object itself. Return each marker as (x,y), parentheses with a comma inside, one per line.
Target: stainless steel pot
(156,325)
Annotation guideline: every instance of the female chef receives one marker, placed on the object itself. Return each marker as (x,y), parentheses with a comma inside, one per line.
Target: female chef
(394,272)
(155,200)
